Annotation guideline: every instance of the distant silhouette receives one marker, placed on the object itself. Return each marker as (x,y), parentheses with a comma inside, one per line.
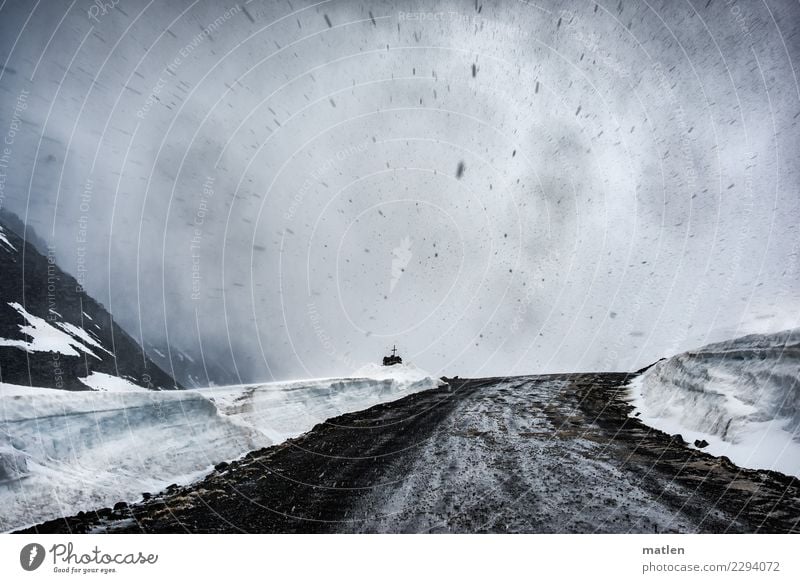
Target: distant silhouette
(393,359)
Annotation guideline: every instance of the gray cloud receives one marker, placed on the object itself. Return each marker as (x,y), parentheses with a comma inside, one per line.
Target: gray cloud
(278,181)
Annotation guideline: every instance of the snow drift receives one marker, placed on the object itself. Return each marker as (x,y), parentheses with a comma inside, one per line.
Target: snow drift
(741,396)
(63,451)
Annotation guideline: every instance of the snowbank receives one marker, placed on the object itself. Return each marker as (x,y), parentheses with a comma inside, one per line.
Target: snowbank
(65,451)
(405,372)
(742,397)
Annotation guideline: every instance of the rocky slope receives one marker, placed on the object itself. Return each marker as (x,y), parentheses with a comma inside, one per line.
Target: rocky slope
(52,334)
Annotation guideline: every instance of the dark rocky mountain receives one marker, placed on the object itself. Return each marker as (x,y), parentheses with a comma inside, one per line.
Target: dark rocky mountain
(52,334)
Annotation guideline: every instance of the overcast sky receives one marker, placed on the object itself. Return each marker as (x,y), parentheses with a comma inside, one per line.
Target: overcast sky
(497,187)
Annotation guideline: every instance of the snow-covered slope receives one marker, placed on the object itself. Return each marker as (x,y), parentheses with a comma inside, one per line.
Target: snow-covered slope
(62,452)
(741,396)
(52,334)
(406,372)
